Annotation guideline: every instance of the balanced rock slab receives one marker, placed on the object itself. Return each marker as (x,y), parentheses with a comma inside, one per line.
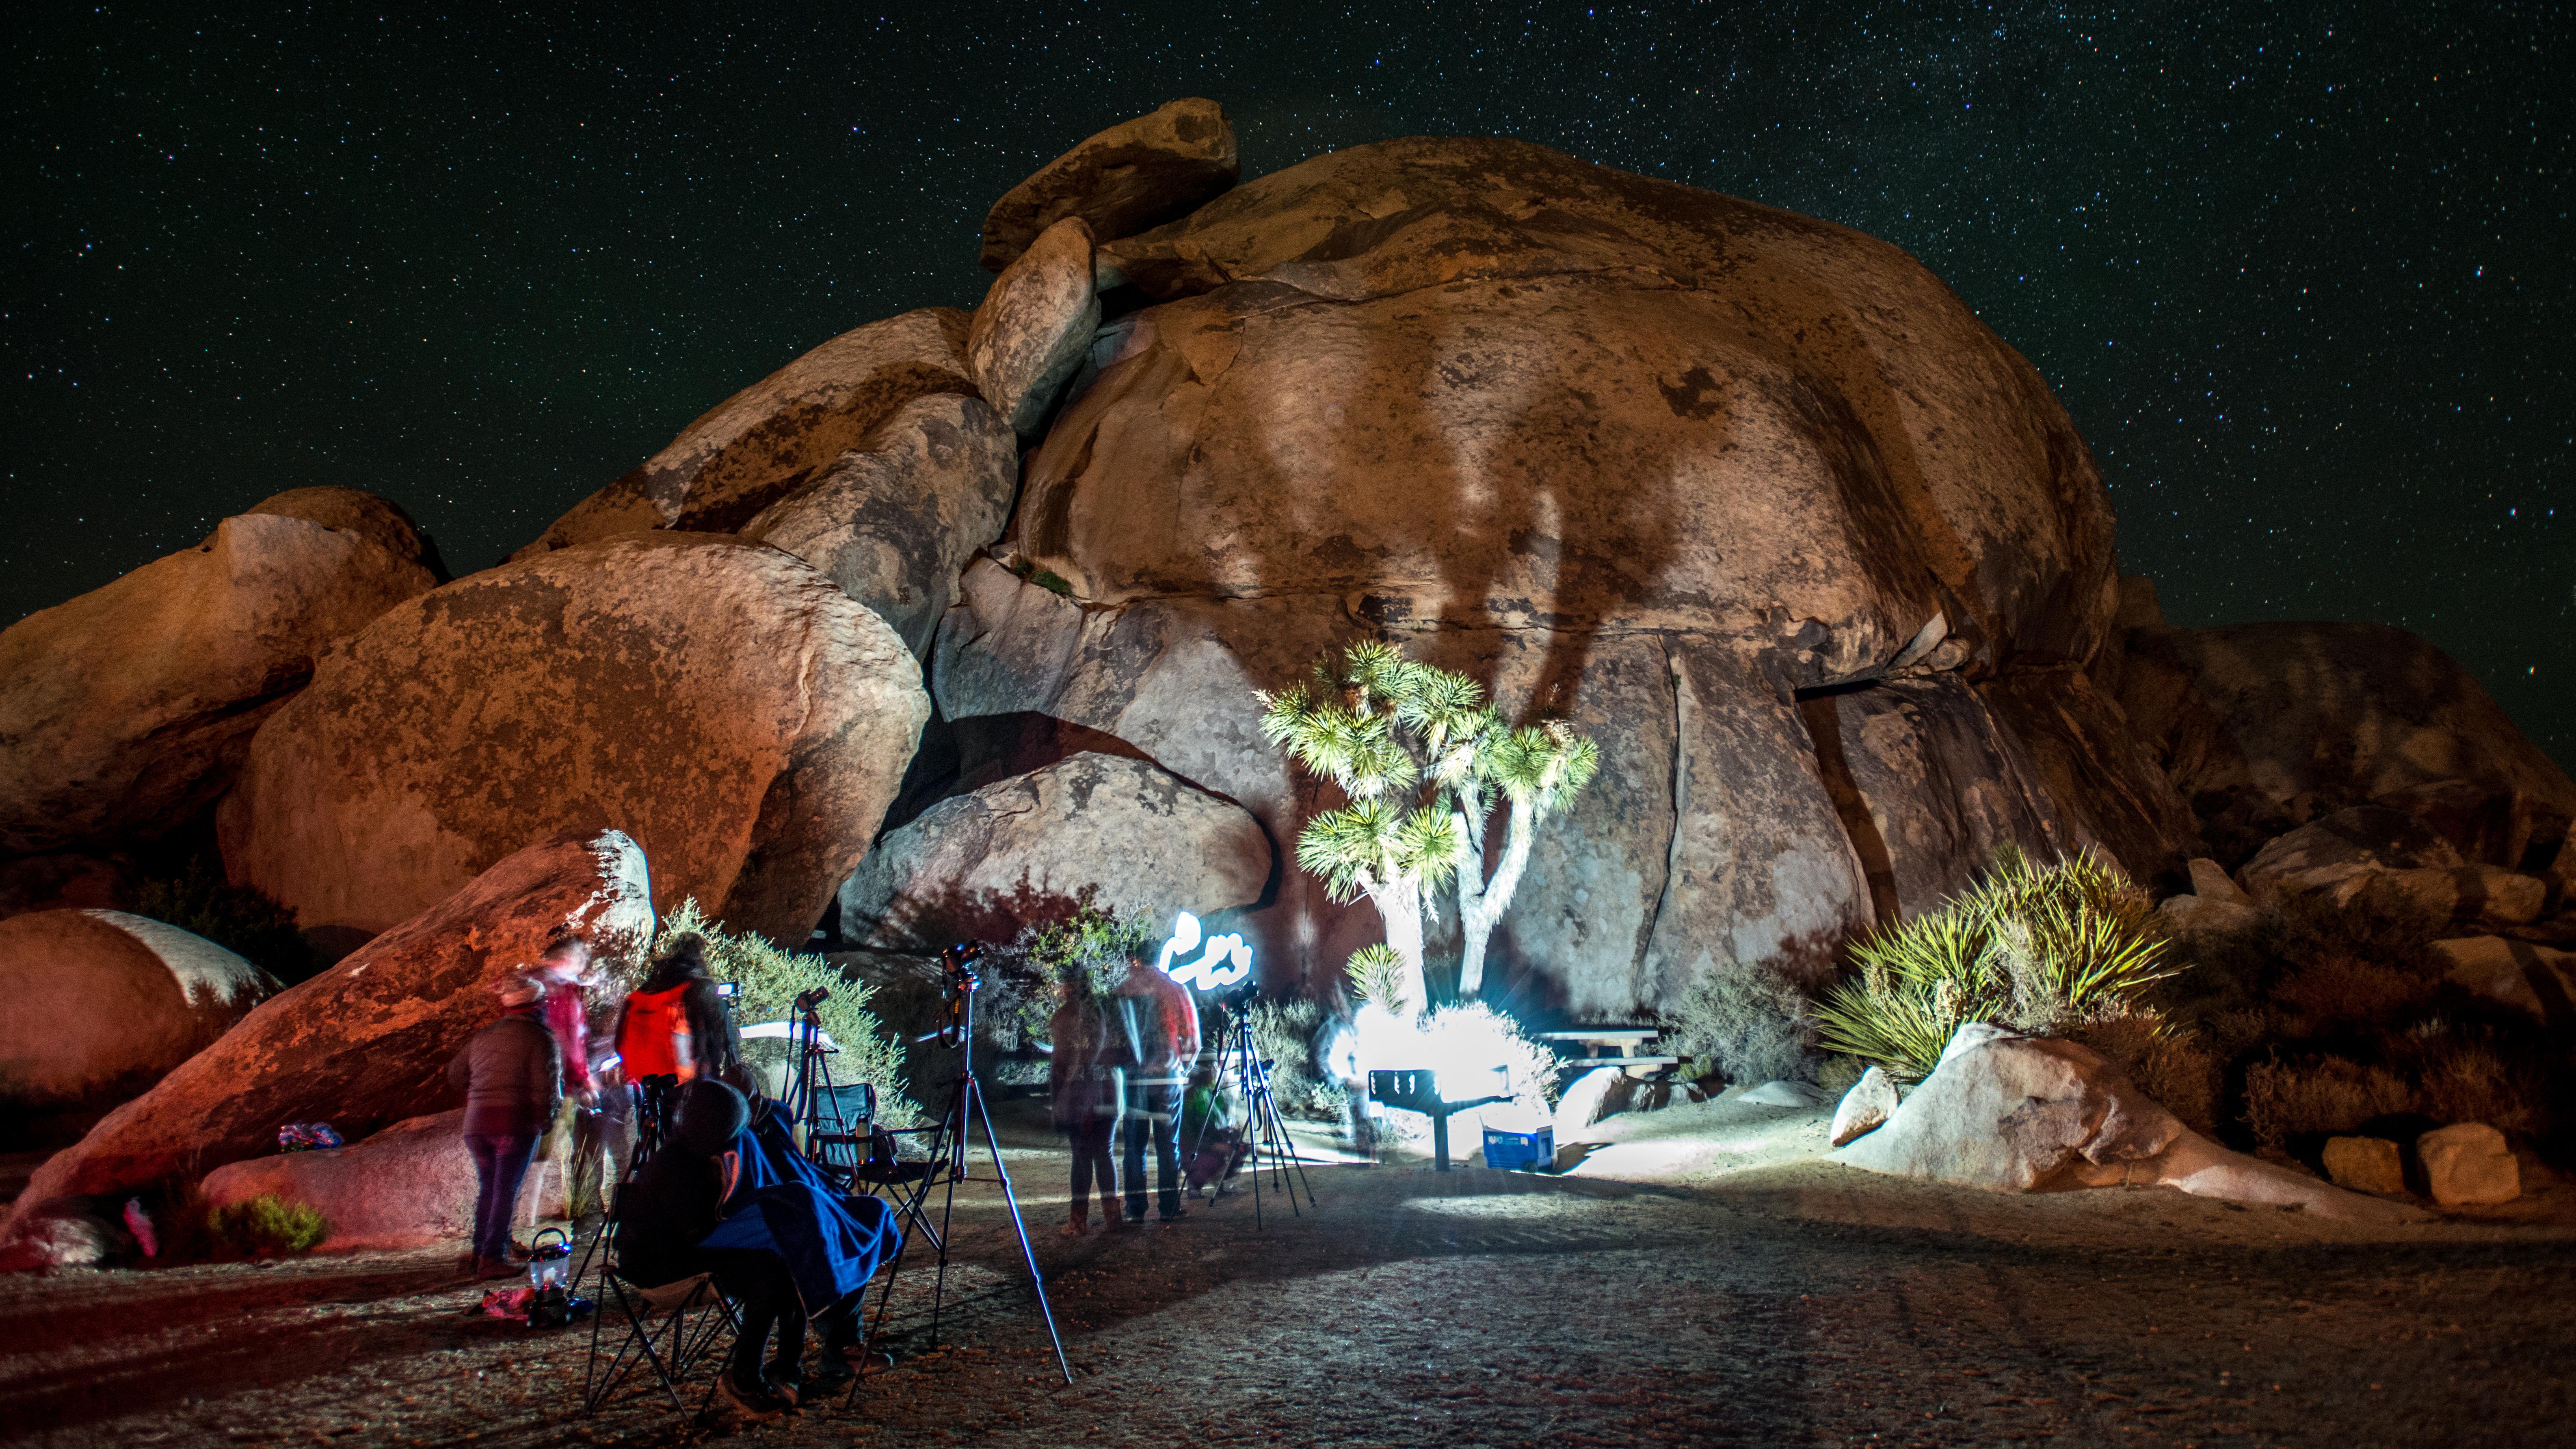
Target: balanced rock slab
(1035,325)
(97,1005)
(1136,175)
(726,705)
(126,711)
(767,440)
(2468,1164)
(2017,1114)
(408,1186)
(367,1042)
(977,864)
(894,520)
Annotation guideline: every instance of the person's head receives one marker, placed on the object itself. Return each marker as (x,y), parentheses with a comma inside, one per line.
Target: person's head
(706,1116)
(518,990)
(566,957)
(684,960)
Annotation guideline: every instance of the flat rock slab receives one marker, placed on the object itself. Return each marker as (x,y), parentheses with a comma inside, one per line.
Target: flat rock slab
(1134,176)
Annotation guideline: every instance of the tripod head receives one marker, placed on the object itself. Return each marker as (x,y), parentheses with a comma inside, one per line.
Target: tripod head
(959,981)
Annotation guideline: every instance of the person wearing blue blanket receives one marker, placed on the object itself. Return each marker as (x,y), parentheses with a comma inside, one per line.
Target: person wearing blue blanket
(729,1196)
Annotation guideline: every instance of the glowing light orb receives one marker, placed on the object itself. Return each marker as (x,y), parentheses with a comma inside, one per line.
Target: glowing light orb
(1227,960)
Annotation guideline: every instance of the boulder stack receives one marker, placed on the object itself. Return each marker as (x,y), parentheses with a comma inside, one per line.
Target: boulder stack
(1132,177)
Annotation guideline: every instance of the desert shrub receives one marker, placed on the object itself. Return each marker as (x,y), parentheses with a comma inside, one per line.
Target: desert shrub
(2162,1059)
(1020,978)
(265,1227)
(2338,992)
(249,923)
(1745,1022)
(771,979)
(2035,947)
(2287,1100)
(1839,1072)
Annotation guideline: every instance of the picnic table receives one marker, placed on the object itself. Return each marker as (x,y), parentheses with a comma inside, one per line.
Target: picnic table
(1612,1046)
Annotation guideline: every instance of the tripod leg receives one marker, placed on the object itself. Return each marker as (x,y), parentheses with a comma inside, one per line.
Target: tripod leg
(1028,1255)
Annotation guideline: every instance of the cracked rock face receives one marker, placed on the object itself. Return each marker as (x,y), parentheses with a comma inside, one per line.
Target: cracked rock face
(723,703)
(978,864)
(1648,457)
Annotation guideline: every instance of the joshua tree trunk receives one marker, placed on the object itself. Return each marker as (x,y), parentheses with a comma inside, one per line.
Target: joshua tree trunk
(1399,905)
(1481,902)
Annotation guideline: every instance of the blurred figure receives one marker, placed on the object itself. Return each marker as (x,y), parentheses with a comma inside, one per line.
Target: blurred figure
(1215,1146)
(1086,1085)
(564,977)
(511,1074)
(673,1029)
(1154,1031)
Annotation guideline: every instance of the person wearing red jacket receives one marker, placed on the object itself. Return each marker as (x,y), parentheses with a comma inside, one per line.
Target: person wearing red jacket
(1153,1027)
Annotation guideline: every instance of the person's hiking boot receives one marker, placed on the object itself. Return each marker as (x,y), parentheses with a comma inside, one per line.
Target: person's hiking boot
(495,1268)
(753,1400)
(787,1380)
(832,1373)
(1111,1214)
(1079,1222)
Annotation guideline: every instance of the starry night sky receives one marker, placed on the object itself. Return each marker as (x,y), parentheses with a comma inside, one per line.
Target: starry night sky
(2302,274)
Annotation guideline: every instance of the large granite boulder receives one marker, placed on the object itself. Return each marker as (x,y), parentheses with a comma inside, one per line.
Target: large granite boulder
(1647,457)
(97,1005)
(366,1043)
(767,440)
(894,520)
(726,705)
(1146,842)
(354,511)
(2377,858)
(1035,326)
(1132,177)
(2267,726)
(126,711)
(409,1186)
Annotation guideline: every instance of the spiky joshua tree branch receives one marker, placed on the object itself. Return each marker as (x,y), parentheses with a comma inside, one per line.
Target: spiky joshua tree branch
(1422,760)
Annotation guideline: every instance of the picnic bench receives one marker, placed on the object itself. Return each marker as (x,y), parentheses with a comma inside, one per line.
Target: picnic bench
(1611,1046)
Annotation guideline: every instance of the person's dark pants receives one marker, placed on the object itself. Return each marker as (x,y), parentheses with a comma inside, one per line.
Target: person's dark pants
(1167,1167)
(1091,1155)
(758,1283)
(500,1165)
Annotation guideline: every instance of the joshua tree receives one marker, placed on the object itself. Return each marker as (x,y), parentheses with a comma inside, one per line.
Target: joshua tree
(1423,760)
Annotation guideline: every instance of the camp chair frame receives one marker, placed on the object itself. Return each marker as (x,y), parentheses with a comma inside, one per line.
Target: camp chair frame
(669,1347)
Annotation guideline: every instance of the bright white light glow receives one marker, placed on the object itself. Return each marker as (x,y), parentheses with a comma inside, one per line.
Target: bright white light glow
(1469,1051)
(1228,958)
(780,1031)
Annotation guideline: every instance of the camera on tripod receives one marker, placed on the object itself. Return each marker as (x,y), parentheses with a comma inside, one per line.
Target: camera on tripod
(814,998)
(960,962)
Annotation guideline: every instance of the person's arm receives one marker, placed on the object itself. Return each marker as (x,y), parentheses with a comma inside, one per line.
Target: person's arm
(460,1069)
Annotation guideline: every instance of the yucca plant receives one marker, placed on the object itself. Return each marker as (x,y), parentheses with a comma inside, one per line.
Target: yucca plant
(2035,947)
(1422,760)
(1378,978)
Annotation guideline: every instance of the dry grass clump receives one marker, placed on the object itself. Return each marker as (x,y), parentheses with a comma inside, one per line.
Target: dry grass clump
(2162,1059)
(265,1227)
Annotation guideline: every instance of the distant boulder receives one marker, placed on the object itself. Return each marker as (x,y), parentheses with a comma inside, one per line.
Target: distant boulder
(2375,857)
(126,711)
(361,513)
(367,1042)
(767,440)
(1150,844)
(1134,176)
(721,702)
(894,521)
(97,1005)
(2264,727)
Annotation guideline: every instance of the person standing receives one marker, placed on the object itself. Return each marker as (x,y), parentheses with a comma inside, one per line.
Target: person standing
(673,1030)
(1155,1023)
(512,1074)
(1086,1093)
(563,974)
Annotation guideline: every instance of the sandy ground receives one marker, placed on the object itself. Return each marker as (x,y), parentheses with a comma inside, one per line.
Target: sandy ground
(1704,1279)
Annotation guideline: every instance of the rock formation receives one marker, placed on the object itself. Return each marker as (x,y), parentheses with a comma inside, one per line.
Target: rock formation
(1654,458)
(894,520)
(1035,326)
(979,863)
(97,1005)
(367,1042)
(721,702)
(1134,176)
(408,1186)
(364,514)
(125,712)
(765,441)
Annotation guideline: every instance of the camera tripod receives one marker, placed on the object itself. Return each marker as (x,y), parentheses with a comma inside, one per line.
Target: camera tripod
(1266,1130)
(950,1163)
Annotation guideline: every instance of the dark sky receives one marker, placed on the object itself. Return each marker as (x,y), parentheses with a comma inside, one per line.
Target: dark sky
(2302,274)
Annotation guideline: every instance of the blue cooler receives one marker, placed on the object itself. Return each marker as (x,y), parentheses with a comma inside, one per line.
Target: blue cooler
(1521,1151)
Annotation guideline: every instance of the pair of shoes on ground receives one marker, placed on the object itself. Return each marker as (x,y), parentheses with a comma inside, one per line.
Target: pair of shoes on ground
(760,1397)
(1137,1220)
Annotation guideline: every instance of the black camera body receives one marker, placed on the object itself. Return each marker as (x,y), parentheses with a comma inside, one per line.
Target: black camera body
(814,998)
(959,960)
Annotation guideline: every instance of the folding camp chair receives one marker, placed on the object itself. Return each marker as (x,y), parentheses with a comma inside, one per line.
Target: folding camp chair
(668,1328)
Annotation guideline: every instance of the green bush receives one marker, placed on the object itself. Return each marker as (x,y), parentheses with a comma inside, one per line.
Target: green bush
(246,922)
(2039,948)
(1283,1034)
(772,978)
(265,1227)
(1020,979)
(1744,1023)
